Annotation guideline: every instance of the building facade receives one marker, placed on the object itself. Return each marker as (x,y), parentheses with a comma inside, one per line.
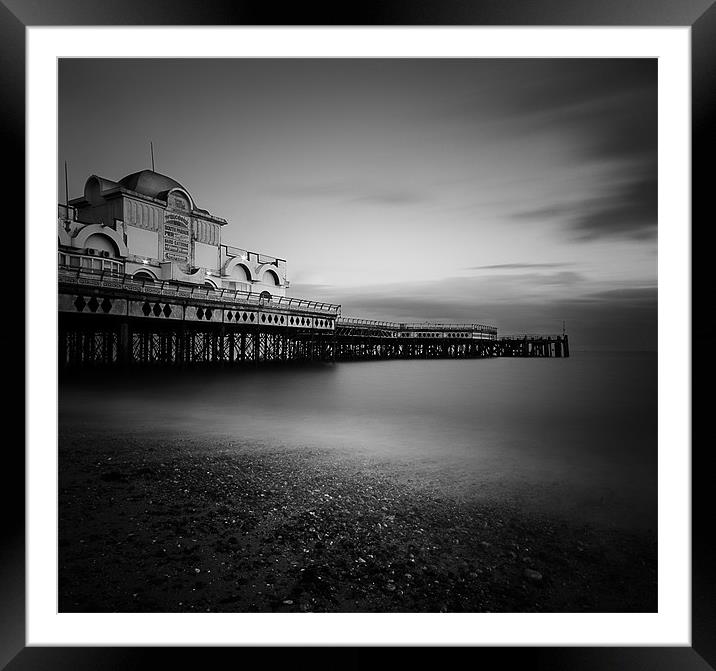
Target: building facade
(148,226)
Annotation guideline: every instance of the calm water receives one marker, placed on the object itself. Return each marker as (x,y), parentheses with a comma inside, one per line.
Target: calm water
(576,437)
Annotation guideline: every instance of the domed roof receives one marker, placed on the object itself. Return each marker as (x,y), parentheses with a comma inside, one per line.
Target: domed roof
(150,183)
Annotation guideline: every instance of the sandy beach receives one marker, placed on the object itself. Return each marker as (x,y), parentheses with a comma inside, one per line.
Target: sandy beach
(191,525)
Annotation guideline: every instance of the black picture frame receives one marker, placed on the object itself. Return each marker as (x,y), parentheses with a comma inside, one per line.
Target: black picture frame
(700,15)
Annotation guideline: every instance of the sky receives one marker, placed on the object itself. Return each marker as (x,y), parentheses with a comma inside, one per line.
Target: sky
(519,193)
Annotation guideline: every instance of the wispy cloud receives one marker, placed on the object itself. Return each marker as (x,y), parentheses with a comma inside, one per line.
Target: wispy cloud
(449,298)
(354,193)
(598,113)
(636,296)
(520,266)
(607,107)
(627,210)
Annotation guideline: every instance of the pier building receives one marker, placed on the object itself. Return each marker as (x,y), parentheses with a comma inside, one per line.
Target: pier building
(148,226)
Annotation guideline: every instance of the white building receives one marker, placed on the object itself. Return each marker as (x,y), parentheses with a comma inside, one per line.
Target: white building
(147,225)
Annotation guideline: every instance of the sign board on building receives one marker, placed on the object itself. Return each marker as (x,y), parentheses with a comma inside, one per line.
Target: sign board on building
(176,237)
(178,202)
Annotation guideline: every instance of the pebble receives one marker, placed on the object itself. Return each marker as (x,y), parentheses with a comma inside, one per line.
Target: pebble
(531,574)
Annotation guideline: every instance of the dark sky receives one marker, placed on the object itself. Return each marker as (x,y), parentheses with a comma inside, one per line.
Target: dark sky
(514,192)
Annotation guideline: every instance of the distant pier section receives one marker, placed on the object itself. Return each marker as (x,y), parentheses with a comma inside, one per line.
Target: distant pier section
(144,279)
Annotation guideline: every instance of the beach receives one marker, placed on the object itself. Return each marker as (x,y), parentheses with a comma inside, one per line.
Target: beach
(150,524)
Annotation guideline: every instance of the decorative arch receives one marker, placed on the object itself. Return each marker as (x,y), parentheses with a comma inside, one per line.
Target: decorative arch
(145,274)
(80,239)
(269,269)
(102,243)
(184,192)
(237,261)
(211,284)
(94,186)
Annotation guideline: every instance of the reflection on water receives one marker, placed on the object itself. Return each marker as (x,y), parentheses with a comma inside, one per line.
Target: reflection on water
(575,436)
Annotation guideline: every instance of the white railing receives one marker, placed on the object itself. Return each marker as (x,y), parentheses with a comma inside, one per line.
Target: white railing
(70,275)
(91,262)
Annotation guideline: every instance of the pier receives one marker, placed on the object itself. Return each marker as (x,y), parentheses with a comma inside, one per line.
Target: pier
(144,278)
(118,320)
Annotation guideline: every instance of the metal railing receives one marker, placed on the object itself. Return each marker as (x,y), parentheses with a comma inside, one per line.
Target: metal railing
(416,327)
(173,289)
(367,323)
(531,336)
(438,326)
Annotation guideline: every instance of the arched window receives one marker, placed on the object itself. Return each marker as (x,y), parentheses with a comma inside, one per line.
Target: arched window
(270,277)
(239,274)
(144,275)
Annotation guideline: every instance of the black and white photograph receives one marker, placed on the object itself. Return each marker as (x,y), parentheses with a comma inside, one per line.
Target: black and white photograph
(357,335)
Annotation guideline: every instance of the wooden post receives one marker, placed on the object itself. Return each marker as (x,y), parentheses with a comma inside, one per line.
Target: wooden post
(62,358)
(124,344)
(181,339)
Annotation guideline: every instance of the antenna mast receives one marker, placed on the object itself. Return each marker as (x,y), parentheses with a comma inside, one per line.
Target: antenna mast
(151,147)
(67,201)
(67,189)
